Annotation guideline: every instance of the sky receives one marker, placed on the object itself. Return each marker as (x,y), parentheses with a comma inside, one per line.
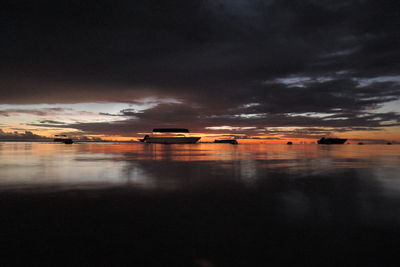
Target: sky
(262,71)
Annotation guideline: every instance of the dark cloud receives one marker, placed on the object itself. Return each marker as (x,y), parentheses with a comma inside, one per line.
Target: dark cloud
(200,119)
(215,57)
(313,132)
(21,134)
(52,122)
(18,136)
(162,115)
(37,112)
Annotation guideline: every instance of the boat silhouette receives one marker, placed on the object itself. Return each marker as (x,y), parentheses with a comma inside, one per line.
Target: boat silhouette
(180,138)
(61,138)
(331,141)
(226,141)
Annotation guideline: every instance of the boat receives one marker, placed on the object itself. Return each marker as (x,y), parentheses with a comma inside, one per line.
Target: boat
(331,141)
(177,136)
(226,141)
(61,138)
(289,143)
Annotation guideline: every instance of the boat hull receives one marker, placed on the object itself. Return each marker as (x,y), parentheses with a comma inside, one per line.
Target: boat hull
(331,141)
(229,141)
(171,140)
(63,140)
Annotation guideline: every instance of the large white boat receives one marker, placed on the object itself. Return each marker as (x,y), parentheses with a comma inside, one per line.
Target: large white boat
(170,136)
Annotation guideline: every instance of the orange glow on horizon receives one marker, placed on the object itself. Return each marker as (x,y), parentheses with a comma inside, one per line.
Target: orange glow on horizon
(391,134)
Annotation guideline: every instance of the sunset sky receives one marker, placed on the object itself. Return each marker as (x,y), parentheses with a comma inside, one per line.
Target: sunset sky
(263,71)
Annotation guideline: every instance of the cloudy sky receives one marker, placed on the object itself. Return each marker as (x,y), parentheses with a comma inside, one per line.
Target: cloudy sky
(266,70)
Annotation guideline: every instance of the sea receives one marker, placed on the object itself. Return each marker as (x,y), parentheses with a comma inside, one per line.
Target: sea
(120,204)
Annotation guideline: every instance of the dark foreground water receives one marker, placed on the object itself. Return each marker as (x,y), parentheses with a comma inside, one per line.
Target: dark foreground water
(199,205)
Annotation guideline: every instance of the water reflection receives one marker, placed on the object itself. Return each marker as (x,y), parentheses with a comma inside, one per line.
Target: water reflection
(178,166)
(303,181)
(215,203)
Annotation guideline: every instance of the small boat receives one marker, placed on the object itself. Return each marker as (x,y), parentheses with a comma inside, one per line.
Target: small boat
(360,143)
(226,141)
(331,141)
(63,139)
(178,137)
(289,143)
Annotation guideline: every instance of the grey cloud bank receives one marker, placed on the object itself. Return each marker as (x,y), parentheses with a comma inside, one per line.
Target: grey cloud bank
(214,58)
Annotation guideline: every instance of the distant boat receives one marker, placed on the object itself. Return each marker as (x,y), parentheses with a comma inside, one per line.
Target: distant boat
(331,141)
(289,143)
(63,139)
(226,141)
(360,143)
(174,139)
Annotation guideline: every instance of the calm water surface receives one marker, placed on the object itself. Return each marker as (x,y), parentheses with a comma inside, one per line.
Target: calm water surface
(199,205)
(173,167)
